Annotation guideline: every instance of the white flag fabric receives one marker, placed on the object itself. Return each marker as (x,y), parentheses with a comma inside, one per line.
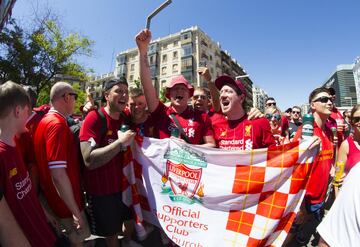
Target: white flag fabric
(210,197)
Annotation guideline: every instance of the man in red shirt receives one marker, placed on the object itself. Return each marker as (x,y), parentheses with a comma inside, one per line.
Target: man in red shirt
(321,104)
(103,156)
(58,163)
(15,180)
(232,129)
(193,125)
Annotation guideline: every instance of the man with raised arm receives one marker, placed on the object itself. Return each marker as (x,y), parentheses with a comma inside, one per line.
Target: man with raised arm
(193,125)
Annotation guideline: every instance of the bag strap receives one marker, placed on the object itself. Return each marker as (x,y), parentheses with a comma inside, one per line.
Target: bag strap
(103,123)
(182,132)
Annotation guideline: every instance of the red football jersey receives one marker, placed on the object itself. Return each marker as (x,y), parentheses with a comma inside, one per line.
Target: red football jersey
(241,134)
(55,147)
(106,179)
(18,191)
(319,177)
(195,124)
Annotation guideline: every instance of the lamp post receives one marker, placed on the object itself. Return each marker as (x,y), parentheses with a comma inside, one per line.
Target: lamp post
(349,98)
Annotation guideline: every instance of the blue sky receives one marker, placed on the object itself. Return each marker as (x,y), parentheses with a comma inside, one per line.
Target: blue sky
(288,47)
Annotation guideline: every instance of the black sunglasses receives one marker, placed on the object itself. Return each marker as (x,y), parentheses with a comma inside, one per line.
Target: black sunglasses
(270,104)
(203,97)
(295,112)
(269,116)
(355,119)
(323,99)
(72,94)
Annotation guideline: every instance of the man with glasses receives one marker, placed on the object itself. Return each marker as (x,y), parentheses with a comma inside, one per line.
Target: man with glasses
(295,122)
(321,105)
(58,162)
(102,149)
(201,100)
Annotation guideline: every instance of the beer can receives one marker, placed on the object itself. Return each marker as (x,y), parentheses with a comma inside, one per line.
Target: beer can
(124,127)
(175,132)
(308,126)
(339,170)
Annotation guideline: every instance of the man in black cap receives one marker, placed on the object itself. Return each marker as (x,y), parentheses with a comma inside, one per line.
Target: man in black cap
(103,155)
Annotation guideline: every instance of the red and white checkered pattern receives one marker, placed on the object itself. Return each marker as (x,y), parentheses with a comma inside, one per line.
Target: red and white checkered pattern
(267,190)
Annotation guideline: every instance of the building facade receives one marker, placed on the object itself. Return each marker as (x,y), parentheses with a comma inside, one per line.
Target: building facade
(342,80)
(356,71)
(259,98)
(181,53)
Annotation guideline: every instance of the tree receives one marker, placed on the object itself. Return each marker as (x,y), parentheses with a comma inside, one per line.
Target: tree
(34,57)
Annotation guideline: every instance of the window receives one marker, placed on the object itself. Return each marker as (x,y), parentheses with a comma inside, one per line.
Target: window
(175,68)
(187,50)
(152,60)
(165,47)
(163,83)
(175,55)
(164,58)
(176,42)
(132,67)
(131,78)
(163,70)
(186,64)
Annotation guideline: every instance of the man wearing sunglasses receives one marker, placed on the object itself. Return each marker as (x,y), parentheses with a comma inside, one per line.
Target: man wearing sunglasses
(321,105)
(58,163)
(295,122)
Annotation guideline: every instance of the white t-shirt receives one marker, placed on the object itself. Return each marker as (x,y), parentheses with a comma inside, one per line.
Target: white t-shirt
(341,225)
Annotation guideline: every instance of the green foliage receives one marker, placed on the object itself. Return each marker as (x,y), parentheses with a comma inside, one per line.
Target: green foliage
(81,97)
(137,83)
(162,96)
(35,57)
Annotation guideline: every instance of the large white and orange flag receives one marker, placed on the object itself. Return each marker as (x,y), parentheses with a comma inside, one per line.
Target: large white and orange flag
(211,197)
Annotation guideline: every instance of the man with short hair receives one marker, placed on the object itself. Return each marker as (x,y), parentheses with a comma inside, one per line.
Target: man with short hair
(200,100)
(295,122)
(102,146)
(58,162)
(232,129)
(320,102)
(193,125)
(15,182)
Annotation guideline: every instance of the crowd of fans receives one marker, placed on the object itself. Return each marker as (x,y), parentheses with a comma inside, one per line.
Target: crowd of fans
(59,184)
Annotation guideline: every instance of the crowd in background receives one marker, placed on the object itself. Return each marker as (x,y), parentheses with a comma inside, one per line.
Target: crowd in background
(61,178)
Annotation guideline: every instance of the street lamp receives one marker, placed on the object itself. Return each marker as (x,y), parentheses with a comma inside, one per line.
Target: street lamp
(241,76)
(349,98)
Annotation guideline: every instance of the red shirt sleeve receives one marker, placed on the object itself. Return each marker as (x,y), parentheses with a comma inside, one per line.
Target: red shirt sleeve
(56,152)
(91,127)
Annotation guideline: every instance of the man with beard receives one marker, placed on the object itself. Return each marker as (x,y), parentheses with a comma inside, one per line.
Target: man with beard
(193,125)
(103,157)
(232,129)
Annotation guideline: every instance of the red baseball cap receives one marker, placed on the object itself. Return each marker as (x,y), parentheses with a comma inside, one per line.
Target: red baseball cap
(236,84)
(178,80)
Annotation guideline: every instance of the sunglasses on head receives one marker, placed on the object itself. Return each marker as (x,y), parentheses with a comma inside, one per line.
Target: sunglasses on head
(323,99)
(271,103)
(269,116)
(355,119)
(203,97)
